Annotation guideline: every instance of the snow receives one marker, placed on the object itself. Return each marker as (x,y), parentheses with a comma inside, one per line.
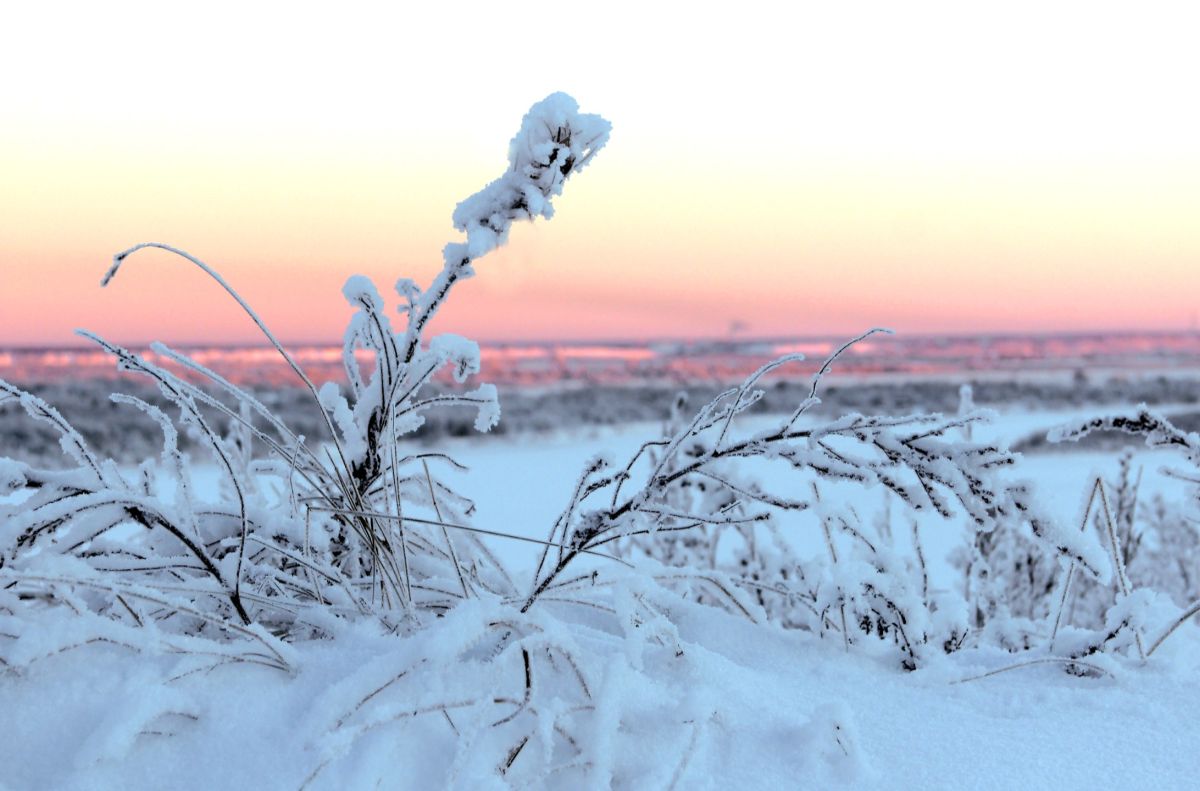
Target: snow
(12,478)
(462,353)
(488,413)
(766,708)
(337,405)
(359,290)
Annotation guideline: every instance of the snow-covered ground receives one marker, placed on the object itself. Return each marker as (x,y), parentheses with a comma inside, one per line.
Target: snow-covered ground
(750,705)
(782,711)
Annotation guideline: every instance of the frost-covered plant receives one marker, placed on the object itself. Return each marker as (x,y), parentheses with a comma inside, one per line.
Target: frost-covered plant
(303,539)
(692,482)
(693,548)
(1007,576)
(1009,580)
(1147,610)
(1086,601)
(298,532)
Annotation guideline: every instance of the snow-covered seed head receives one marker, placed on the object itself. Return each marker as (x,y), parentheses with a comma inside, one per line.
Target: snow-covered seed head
(555,141)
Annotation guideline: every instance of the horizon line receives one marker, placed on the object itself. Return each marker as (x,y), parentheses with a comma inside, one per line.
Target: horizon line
(664,339)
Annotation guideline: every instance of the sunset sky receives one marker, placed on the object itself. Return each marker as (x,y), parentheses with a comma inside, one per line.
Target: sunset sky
(802,168)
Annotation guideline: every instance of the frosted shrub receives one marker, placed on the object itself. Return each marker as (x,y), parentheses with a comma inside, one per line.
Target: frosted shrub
(1147,555)
(678,497)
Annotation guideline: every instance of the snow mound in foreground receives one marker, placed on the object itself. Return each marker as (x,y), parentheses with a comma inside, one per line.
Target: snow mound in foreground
(703,700)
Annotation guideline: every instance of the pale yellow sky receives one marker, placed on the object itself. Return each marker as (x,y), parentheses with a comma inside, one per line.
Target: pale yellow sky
(807,169)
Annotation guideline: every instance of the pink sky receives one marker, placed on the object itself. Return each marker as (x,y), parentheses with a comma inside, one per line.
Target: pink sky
(933,170)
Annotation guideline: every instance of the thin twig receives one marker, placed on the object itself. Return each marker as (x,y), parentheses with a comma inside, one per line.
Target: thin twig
(1054,660)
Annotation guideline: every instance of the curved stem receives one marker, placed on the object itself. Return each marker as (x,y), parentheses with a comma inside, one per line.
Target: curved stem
(1189,613)
(119,259)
